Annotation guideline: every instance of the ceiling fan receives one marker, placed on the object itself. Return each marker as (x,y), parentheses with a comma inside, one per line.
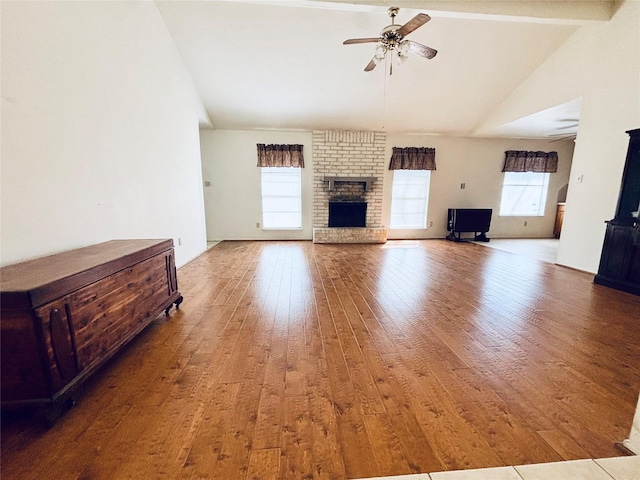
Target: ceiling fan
(392,39)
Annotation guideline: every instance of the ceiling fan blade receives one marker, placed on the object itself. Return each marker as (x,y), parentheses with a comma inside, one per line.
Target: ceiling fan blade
(351,41)
(414,23)
(422,50)
(370,66)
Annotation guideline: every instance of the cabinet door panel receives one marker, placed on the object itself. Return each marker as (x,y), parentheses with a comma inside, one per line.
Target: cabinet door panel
(62,344)
(634,269)
(616,253)
(171,273)
(59,346)
(22,373)
(110,312)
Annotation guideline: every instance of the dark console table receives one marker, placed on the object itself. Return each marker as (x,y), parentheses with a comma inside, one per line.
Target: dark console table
(64,315)
(471,220)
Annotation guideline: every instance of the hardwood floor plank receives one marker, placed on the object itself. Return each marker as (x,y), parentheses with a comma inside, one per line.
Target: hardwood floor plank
(264,464)
(295,382)
(109,455)
(454,442)
(204,450)
(233,459)
(297,441)
(351,431)
(328,456)
(387,449)
(564,445)
(506,433)
(271,409)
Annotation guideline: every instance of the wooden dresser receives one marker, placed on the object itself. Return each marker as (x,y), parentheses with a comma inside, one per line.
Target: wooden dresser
(64,315)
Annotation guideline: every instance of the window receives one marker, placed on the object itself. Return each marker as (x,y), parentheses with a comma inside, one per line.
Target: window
(409,196)
(524,194)
(281,197)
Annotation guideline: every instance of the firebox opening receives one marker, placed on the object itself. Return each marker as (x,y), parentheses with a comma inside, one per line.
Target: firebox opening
(347,214)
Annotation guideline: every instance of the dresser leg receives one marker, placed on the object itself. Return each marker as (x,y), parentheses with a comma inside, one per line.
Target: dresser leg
(52,413)
(176,303)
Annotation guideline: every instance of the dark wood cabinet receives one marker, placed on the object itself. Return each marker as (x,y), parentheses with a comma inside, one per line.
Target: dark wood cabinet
(64,315)
(557,227)
(620,261)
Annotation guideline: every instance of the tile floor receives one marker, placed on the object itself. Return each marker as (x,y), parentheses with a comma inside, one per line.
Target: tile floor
(544,249)
(618,468)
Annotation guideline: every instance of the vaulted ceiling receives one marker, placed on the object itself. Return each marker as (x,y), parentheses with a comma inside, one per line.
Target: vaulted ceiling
(279,64)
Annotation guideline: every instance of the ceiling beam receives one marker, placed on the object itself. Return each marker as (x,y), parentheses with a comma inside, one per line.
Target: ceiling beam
(576,12)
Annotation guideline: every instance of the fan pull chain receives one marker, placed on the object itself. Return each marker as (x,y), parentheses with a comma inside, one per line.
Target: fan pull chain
(384,98)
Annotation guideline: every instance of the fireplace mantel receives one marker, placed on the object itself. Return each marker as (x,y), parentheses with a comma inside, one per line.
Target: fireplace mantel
(366,180)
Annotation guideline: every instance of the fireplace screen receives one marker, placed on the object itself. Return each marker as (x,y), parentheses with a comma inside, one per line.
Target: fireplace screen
(347,214)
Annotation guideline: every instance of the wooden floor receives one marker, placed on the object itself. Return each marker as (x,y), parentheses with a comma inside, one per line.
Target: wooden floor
(295,360)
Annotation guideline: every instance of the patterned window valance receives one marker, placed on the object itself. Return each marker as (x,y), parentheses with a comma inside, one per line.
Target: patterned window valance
(521,161)
(280,155)
(413,158)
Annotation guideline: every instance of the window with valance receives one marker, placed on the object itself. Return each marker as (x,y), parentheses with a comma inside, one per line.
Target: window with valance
(280,156)
(413,158)
(523,161)
(410,190)
(526,182)
(281,185)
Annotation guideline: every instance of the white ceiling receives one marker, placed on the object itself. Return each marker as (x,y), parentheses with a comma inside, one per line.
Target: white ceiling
(281,64)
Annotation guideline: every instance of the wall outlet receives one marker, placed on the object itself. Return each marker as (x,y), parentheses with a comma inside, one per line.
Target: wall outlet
(257,224)
(525,223)
(207,183)
(179,241)
(463,186)
(430,224)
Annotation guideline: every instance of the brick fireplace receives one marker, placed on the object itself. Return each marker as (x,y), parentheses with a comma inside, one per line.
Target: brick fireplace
(348,167)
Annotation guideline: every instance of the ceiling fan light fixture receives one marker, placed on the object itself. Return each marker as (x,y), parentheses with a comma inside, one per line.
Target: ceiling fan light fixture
(392,39)
(403,48)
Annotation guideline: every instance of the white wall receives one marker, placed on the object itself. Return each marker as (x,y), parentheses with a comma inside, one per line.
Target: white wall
(99,130)
(601,64)
(633,442)
(233,200)
(478,164)
(233,203)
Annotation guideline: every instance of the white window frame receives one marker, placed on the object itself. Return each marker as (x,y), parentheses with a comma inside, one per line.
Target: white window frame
(280,203)
(515,185)
(408,199)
